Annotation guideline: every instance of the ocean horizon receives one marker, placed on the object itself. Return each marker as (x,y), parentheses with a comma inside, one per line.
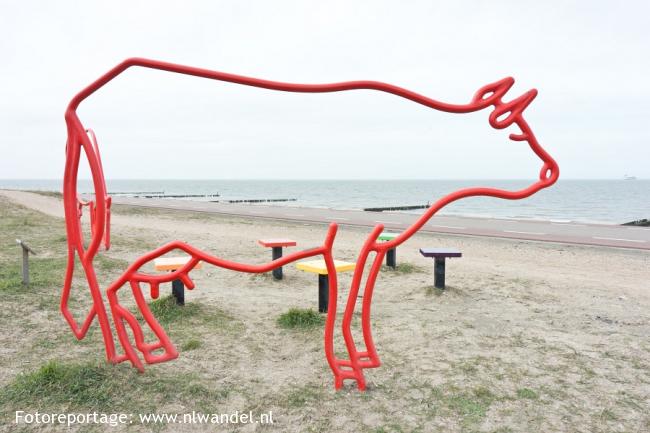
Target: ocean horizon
(607,201)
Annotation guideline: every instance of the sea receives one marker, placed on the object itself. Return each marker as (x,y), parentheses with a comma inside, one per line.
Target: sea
(590,201)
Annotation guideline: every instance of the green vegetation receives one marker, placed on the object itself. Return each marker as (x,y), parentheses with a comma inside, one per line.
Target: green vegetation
(88,386)
(404,268)
(191,344)
(122,209)
(469,406)
(301,395)
(608,415)
(46,269)
(297,318)
(55,194)
(106,263)
(44,272)
(263,277)
(46,235)
(473,406)
(527,393)
(166,311)
(435,291)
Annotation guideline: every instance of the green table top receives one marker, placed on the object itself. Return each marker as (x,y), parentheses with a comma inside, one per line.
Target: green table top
(385,236)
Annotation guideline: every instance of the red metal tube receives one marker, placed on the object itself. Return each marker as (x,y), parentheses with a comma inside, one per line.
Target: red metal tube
(504,114)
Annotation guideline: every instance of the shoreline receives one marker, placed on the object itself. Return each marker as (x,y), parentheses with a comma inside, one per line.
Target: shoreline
(442,213)
(553,231)
(531,230)
(581,201)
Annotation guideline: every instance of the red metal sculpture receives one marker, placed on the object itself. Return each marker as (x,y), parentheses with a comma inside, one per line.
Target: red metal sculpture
(503,115)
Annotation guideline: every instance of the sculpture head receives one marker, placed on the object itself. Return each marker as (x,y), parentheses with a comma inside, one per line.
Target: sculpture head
(506,114)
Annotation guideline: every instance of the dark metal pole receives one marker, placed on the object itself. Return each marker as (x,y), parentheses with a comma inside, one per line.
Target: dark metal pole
(391,258)
(178,291)
(439,272)
(323,293)
(276,254)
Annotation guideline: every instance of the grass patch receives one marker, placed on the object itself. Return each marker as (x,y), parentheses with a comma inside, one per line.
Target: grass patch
(434,291)
(472,407)
(191,344)
(404,268)
(469,406)
(608,415)
(55,194)
(46,236)
(469,366)
(89,386)
(297,318)
(109,264)
(43,273)
(300,396)
(166,311)
(263,276)
(122,209)
(527,393)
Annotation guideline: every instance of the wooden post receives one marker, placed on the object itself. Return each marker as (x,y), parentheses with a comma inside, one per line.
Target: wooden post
(26,251)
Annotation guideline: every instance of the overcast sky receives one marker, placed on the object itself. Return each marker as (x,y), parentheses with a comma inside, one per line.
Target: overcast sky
(589,60)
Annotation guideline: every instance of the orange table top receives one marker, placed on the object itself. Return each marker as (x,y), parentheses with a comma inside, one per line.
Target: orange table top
(172,263)
(277,242)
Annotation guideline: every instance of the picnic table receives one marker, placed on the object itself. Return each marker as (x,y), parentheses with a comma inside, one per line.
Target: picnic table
(439,255)
(276,245)
(319,267)
(391,255)
(171,264)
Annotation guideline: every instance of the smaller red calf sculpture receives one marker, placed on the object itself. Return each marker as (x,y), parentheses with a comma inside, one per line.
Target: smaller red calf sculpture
(503,115)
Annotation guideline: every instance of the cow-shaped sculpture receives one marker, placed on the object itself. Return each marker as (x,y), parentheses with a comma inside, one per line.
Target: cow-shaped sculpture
(503,115)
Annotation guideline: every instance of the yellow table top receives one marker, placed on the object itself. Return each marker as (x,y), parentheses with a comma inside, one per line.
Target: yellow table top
(172,263)
(318,266)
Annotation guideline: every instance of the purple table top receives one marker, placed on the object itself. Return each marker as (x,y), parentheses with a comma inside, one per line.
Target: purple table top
(440,252)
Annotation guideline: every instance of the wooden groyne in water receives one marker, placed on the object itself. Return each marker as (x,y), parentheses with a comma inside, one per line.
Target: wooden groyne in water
(133,192)
(255,200)
(176,195)
(392,208)
(638,223)
(159,194)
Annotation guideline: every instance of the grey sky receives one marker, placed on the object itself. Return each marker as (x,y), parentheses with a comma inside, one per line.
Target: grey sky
(589,61)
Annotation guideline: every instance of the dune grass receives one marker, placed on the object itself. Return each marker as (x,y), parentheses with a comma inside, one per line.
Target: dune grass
(167,311)
(297,318)
(191,344)
(404,268)
(101,386)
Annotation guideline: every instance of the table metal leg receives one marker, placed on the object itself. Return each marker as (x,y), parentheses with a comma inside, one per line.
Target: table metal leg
(439,272)
(323,293)
(391,258)
(276,254)
(178,291)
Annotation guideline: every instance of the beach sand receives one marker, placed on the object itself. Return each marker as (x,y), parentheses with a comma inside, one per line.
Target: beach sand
(527,336)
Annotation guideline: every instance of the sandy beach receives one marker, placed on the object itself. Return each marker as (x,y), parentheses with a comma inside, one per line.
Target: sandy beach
(526,337)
